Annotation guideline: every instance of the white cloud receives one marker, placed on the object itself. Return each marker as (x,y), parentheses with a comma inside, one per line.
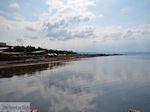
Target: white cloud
(68,25)
(14,5)
(63,18)
(78,38)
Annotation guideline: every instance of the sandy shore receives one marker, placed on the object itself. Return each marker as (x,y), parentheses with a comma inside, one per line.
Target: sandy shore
(9,64)
(16,63)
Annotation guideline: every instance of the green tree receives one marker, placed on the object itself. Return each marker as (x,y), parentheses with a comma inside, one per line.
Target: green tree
(30,48)
(19,49)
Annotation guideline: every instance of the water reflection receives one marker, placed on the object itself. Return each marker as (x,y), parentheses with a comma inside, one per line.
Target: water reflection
(31,69)
(90,85)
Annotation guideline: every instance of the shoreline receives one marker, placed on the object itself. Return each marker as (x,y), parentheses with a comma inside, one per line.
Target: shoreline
(11,64)
(7,64)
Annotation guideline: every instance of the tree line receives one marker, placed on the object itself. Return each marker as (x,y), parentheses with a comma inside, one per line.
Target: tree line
(27,49)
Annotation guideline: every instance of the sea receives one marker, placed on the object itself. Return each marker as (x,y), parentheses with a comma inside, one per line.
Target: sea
(99,84)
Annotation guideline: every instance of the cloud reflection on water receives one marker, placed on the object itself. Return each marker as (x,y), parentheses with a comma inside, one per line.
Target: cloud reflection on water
(84,85)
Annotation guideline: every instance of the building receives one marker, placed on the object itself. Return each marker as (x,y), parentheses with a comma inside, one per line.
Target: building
(52,54)
(4,46)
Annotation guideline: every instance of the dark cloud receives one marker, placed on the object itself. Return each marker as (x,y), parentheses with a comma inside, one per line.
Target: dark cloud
(60,35)
(30,29)
(65,23)
(128,34)
(84,34)
(58,24)
(118,34)
(34,38)
(63,34)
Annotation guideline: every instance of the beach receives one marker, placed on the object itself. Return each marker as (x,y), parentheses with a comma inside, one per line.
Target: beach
(29,62)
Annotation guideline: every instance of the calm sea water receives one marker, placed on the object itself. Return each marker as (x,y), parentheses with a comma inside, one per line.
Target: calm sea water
(101,84)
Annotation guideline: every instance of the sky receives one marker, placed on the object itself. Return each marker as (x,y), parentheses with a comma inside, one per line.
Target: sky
(78,25)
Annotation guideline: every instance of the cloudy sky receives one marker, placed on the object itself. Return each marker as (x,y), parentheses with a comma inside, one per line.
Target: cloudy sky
(79,25)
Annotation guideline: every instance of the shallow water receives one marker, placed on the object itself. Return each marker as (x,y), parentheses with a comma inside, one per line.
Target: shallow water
(101,84)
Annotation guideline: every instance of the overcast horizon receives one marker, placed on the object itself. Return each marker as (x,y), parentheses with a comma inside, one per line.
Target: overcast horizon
(78,25)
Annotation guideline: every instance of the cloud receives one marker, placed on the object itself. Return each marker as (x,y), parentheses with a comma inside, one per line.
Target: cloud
(63,21)
(30,29)
(115,35)
(61,34)
(100,15)
(67,19)
(14,5)
(146,33)
(69,25)
(34,38)
(19,40)
(18,17)
(66,34)
(129,34)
